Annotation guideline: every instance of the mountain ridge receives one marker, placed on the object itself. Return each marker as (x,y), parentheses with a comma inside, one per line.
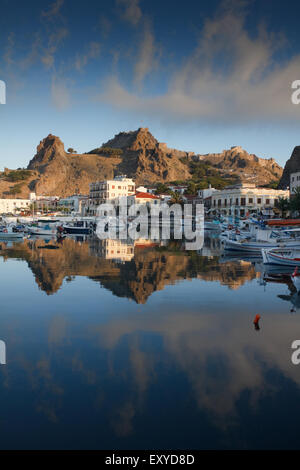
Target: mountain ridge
(139,155)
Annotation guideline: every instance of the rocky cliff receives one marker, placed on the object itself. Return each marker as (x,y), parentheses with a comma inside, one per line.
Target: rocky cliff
(247,166)
(291,166)
(53,171)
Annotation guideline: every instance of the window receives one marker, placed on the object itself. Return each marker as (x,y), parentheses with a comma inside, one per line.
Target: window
(219,202)
(267,201)
(250,200)
(259,200)
(237,201)
(243,201)
(225,202)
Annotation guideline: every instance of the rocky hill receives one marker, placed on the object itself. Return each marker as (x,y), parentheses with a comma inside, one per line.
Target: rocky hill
(53,171)
(247,166)
(291,166)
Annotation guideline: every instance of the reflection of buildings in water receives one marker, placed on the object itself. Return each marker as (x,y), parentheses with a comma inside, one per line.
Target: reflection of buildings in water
(145,267)
(212,247)
(119,250)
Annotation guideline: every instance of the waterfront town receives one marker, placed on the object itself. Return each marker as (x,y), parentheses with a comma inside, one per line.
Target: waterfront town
(235,200)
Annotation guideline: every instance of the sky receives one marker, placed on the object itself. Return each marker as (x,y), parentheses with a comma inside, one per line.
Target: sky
(203,76)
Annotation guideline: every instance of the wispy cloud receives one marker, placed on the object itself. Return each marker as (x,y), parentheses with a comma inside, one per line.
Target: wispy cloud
(53,10)
(9,50)
(130,11)
(92,53)
(60,93)
(230,75)
(146,56)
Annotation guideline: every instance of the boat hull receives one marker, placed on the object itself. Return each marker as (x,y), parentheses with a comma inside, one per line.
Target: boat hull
(77,230)
(287,259)
(11,236)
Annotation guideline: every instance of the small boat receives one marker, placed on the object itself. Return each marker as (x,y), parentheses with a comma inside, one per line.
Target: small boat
(10,233)
(80,227)
(282,256)
(252,246)
(43,229)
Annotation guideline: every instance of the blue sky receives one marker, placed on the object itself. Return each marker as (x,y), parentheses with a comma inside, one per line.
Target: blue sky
(203,76)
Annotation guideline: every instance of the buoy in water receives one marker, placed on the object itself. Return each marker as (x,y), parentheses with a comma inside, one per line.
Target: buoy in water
(256,319)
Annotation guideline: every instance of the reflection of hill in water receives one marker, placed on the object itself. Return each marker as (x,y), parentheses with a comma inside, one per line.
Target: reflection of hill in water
(149,269)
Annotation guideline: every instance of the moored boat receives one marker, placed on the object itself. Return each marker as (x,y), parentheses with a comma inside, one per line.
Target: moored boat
(10,233)
(282,256)
(80,227)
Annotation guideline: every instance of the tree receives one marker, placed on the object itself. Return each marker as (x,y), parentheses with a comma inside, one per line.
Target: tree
(71,150)
(295,200)
(283,205)
(176,198)
(191,189)
(161,188)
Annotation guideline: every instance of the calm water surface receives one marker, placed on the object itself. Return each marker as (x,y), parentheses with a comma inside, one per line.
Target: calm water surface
(122,347)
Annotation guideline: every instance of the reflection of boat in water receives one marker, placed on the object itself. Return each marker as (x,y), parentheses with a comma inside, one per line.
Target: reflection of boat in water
(296,279)
(293,298)
(234,256)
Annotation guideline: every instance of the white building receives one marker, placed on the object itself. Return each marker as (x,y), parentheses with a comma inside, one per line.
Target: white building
(294,182)
(245,198)
(73,203)
(143,198)
(14,205)
(205,193)
(109,191)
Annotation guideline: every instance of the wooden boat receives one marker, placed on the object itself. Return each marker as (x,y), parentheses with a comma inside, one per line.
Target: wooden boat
(282,256)
(9,233)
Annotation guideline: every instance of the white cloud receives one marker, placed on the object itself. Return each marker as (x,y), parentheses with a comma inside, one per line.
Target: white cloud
(229,76)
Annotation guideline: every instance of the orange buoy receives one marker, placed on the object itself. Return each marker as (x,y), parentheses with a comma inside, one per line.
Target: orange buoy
(256,319)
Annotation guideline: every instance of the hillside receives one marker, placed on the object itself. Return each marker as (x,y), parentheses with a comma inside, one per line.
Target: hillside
(53,171)
(291,166)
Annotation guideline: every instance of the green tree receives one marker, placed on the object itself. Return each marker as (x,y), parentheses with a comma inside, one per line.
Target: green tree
(283,205)
(176,198)
(295,200)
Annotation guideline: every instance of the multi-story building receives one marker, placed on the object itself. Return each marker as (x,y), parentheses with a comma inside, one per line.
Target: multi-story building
(109,191)
(13,206)
(74,203)
(245,199)
(294,182)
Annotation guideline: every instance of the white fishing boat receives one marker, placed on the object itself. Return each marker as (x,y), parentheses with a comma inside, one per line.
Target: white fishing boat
(10,233)
(253,246)
(43,229)
(282,256)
